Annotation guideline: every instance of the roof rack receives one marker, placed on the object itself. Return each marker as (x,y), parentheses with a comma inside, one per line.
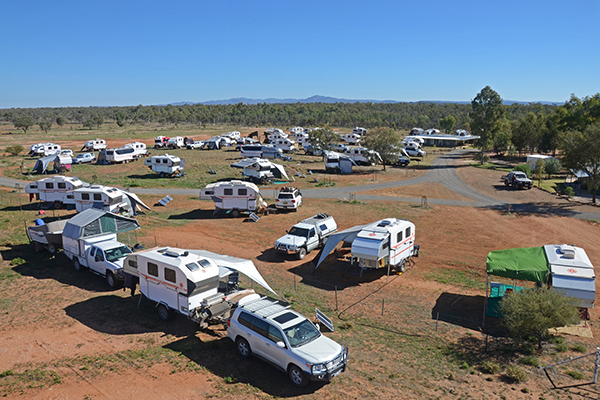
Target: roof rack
(266,306)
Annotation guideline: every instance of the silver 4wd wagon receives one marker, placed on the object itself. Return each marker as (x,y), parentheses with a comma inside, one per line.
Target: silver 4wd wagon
(270,330)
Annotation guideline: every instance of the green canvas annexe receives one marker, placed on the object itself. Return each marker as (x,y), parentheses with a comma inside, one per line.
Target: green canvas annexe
(527,264)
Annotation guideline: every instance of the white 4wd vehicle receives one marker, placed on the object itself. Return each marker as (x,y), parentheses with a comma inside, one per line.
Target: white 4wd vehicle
(268,329)
(289,198)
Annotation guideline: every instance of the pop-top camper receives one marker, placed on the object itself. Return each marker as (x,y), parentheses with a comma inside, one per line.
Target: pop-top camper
(198,284)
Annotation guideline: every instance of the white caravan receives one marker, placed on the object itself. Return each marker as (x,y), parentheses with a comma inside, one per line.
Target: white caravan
(235,135)
(105,198)
(139,148)
(363,156)
(93,145)
(389,243)
(199,284)
(44,149)
(54,189)
(285,144)
(166,165)
(296,130)
(277,135)
(351,138)
(120,155)
(235,196)
(359,131)
(176,142)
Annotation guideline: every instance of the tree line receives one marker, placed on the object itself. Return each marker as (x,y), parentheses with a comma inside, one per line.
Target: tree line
(368,115)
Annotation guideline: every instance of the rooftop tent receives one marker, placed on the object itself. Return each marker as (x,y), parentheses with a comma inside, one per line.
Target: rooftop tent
(527,264)
(93,222)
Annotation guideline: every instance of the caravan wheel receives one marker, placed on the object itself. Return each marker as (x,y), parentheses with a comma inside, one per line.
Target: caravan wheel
(162,174)
(235,213)
(163,312)
(57,205)
(402,266)
(52,248)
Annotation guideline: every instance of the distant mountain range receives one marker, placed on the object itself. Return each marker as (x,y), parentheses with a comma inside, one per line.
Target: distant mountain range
(326,99)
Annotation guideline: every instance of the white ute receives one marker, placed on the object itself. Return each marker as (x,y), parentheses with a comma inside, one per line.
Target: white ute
(307,235)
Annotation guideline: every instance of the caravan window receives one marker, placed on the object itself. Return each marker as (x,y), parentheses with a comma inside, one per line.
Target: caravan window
(85,196)
(192,266)
(170,275)
(49,185)
(62,185)
(228,192)
(407,232)
(97,196)
(165,161)
(133,264)
(242,192)
(152,269)
(399,237)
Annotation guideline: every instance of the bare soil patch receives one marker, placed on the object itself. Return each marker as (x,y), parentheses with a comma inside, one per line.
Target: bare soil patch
(430,190)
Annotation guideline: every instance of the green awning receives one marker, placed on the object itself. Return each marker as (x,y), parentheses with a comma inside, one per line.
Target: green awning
(527,264)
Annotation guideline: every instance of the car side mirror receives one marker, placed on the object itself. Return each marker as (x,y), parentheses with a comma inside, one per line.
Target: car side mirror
(280,345)
(318,326)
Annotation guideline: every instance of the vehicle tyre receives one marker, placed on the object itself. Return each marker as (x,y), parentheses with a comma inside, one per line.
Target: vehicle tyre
(243,347)
(77,265)
(37,247)
(163,312)
(110,279)
(235,213)
(52,248)
(297,376)
(57,205)
(324,241)
(301,253)
(162,174)
(402,266)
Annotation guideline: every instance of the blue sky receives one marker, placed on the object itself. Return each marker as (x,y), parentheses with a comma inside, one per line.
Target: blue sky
(101,53)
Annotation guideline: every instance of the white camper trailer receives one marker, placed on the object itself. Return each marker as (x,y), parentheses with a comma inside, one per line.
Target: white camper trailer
(95,144)
(285,144)
(351,138)
(120,155)
(363,156)
(260,170)
(161,141)
(572,273)
(359,131)
(234,196)
(296,130)
(54,189)
(176,142)
(44,149)
(235,135)
(166,165)
(105,198)
(388,243)
(199,284)
(139,148)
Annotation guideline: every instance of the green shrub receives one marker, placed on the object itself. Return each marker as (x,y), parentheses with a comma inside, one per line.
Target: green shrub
(561,347)
(523,168)
(532,361)
(575,374)
(569,192)
(556,340)
(17,261)
(552,166)
(578,347)
(490,367)
(516,374)
(14,150)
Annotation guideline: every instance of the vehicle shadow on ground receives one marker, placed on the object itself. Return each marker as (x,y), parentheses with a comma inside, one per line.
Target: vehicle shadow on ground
(334,274)
(44,265)
(116,315)
(220,358)
(194,214)
(539,209)
(466,311)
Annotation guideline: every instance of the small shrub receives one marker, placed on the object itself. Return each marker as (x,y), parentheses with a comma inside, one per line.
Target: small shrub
(523,168)
(464,365)
(17,261)
(516,374)
(490,367)
(345,326)
(6,373)
(575,374)
(531,361)
(229,379)
(561,348)
(525,390)
(14,150)
(569,192)
(578,347)
(556,340)
(490,379)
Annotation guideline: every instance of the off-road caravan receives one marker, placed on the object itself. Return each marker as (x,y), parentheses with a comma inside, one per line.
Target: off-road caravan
(285,144)
(54,190)
(260,170)
(160,142)
(176,142)
(388,243)
(44,149)
(166,165)
(106,198)
(93,145)
(201,285)
(139,148)
(338,163)
(359,131)
(234,196)
(121,155)
(351,138)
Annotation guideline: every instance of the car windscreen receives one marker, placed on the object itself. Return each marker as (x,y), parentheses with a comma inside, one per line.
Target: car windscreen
(301,333)
(115,254)
(298,231)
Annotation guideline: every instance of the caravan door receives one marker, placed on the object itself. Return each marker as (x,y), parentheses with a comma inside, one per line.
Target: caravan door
(405,241)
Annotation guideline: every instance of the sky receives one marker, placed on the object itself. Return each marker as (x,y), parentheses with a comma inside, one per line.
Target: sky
(118,53)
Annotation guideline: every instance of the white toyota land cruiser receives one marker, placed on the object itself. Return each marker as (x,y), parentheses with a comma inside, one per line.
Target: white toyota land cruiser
(270,330)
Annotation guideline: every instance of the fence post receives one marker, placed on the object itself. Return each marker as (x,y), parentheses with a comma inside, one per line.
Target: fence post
(437,318)
(596,367)
(294,282)
(336,302)
(382,305)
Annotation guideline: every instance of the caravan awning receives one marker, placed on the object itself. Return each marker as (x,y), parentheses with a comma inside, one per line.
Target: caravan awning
(528,264)
(347,236)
